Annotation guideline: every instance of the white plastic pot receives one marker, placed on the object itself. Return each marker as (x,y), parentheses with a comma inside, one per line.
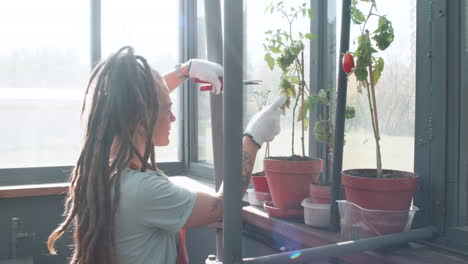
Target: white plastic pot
(317,215)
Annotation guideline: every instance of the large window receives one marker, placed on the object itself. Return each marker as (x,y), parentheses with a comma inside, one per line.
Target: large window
(255,68)
(152,28)
(395,94)
(44,62)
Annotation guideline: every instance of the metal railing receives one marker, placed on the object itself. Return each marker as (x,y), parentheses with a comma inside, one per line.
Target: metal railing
(344,248)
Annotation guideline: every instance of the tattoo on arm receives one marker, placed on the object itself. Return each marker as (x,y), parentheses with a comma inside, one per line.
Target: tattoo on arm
(217,205)
(247,167)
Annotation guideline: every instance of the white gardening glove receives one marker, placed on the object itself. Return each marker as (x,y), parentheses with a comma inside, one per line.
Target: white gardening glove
(207,71)
(265,125)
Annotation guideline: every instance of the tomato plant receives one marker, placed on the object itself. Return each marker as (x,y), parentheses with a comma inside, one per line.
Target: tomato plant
(368,66)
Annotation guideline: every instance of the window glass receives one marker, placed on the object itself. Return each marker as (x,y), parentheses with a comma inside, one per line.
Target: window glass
(152,28)
(255,68)
(44,60)
(395,94)
(205,141)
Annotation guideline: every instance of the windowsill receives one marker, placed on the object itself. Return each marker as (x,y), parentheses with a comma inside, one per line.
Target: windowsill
(61,188)
(33,190)
(308,237)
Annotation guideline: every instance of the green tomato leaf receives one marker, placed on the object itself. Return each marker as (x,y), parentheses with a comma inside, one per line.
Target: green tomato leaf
(274,49)
(285,84)
(279,39)
(377,71)
(270,61)
(311,103)
(287,58)
(364,52)
(384,33)
(361,74)
(269,31)
(350,112)
(322,97)
(320,132)
(356,15)
(294,79)
(311,13)
(310,36)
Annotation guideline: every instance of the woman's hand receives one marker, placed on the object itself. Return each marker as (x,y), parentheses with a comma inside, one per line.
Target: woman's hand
(265,125)
(206,71)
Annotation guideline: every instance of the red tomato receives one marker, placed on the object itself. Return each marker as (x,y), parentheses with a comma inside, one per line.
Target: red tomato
(348,63)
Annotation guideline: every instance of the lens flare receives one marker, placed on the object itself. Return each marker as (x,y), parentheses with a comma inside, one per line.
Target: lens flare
(295,255)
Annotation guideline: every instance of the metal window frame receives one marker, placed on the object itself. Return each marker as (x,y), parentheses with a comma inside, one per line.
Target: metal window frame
(188,50)
(431,112)
(463,185)
(232,122)
(453,114)
(456,236)
(196,169)
(317,74)
(440,144)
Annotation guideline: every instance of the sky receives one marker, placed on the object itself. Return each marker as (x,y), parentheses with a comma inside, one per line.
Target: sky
(62,24)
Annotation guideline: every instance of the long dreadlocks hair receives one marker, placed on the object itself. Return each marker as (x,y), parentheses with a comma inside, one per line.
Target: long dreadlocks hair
(124,95)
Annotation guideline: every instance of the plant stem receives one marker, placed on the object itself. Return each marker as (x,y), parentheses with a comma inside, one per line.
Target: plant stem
(330,129)
(367,18)
(376,136)
(376,125)
(374,103)
(302,103)
(267,149)
(328,179)
(294,120)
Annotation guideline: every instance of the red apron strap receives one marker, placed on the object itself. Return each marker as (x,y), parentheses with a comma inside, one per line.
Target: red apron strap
(182,256)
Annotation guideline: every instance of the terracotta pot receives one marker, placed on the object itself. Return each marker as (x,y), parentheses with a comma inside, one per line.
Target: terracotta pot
(321,194)
(282,212)
(391,194)
(289,180)
(260,182)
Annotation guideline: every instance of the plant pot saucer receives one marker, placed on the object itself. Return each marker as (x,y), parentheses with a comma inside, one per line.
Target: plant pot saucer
(282,212)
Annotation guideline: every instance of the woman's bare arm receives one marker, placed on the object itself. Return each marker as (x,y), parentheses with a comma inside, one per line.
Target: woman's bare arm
(209,206)
(173,80)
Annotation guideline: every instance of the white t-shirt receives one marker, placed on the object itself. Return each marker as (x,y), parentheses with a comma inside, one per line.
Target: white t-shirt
(150,213)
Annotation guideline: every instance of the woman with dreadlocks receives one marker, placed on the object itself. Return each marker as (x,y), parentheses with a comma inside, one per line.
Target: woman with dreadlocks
(122,208)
